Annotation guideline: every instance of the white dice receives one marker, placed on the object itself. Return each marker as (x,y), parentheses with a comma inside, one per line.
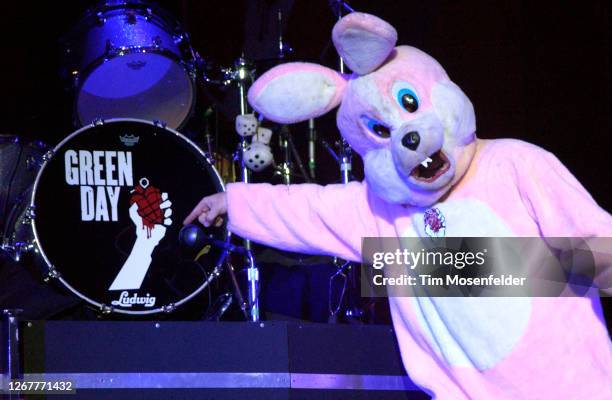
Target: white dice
(246,125)
(257,156)
(263,136)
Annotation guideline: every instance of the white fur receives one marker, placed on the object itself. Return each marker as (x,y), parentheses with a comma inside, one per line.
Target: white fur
(246,125)
(296,96)
(264,135)
(258,156)
(478,332)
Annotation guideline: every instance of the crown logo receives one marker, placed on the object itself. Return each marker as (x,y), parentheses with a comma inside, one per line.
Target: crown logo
(129,140)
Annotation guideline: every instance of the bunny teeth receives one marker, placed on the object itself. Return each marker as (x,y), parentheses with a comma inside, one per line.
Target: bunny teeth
(426,162)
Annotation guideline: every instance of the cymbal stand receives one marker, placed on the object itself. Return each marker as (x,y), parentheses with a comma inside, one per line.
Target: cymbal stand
(285,169)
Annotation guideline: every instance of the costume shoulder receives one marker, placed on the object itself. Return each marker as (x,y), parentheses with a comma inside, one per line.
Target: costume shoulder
(525,161)
(515,150)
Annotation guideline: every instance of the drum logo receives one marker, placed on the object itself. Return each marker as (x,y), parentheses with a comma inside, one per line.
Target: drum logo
(125,300)
(100,176)
(150,212)
(129,140)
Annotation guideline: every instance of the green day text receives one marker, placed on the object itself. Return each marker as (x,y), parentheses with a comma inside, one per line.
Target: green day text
(100,175)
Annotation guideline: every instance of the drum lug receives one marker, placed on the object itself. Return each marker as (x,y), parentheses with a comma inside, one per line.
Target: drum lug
(76,78)
(168,308)
(52,274)
(192,68)
(149,14)
(159,123)
(15,250)
(106,310)
(100,18)
(46,157)
(97,122)
(111,50)
(157,41)
(29,215)
(179,38)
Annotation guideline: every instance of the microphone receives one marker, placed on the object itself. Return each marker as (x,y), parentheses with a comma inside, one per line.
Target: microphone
(195,238)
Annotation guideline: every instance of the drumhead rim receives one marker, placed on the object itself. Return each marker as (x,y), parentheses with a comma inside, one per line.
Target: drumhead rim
(50,266)
(157,15)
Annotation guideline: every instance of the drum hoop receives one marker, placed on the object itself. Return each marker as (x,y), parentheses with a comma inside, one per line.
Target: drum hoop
(158,16)
(124,51)
(42,251)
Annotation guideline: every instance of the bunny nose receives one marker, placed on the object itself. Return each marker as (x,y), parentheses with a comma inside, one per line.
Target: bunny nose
(411,140)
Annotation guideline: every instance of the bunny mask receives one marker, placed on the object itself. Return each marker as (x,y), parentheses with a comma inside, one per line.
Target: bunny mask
(414,128)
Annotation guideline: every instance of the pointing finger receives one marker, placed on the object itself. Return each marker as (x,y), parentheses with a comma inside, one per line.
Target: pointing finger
(197,211)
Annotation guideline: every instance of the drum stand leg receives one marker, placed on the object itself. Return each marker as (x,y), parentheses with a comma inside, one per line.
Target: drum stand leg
(11,366)
(237,292)
(253,279)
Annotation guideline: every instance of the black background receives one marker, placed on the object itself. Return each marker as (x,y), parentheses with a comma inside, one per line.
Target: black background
(537,71)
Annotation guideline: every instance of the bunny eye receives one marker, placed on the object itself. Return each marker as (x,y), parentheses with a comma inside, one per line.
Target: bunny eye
(377,127)
(406,96)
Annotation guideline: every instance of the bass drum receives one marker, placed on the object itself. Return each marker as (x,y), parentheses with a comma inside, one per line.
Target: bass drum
(105,213)
(129,58)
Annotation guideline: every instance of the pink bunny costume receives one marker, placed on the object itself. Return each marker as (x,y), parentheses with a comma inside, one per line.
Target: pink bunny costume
(415,130)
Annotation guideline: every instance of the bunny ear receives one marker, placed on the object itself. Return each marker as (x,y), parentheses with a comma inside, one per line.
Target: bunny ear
(363,41)
(295,92)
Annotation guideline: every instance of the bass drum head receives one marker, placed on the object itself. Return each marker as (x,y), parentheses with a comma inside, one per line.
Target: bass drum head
(138,85)
(109,206)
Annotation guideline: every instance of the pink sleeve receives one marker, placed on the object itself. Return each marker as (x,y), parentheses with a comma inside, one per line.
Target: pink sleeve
(557,201)
(563,208)
(304,218)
